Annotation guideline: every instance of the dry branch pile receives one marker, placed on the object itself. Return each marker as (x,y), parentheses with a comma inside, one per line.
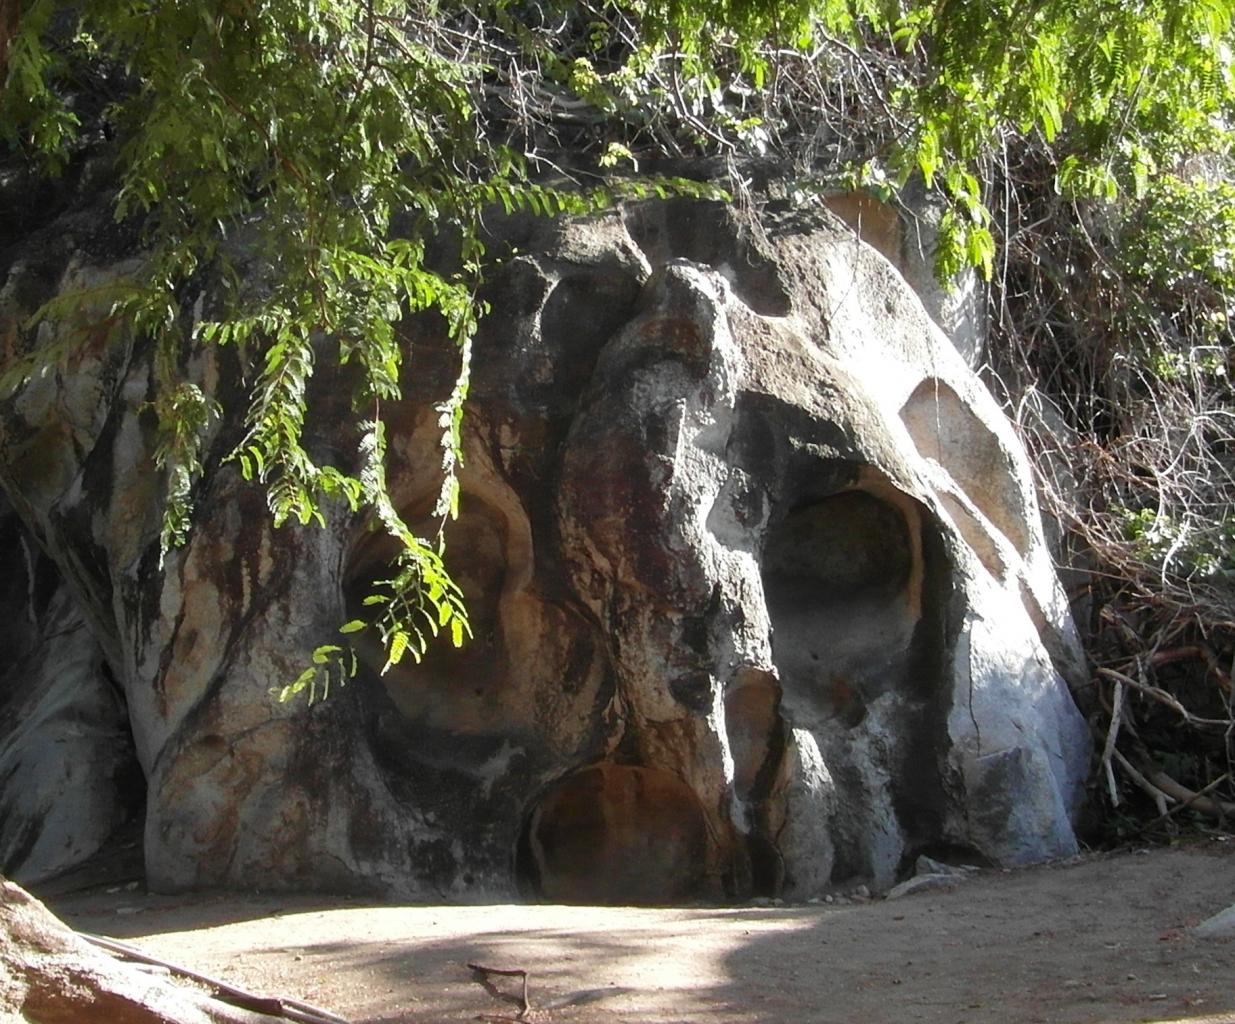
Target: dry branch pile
(1119,380)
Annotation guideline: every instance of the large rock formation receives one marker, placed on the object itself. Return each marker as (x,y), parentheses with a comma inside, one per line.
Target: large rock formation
(757,581)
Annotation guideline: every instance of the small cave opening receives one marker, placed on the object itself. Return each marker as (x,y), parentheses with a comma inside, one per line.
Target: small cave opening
(615,834)
(917,858)
(582,312)
(839,578)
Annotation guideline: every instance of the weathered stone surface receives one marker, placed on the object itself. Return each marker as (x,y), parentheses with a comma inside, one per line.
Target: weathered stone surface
(906,235)
(68,778)
(758,586)
(50,975)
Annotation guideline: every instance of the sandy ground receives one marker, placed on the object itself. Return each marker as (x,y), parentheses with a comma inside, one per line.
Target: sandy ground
(1102,940)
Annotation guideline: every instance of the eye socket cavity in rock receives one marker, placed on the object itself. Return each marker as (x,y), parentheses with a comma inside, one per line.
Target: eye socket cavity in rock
(839,579)
(847,589)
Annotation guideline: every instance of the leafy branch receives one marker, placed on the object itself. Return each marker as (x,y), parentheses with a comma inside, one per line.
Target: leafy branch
(271,149)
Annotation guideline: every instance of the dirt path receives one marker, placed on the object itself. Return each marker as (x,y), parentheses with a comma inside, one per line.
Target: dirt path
(1100,941)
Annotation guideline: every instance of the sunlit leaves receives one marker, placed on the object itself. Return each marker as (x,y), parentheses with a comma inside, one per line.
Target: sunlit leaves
(184,412)
(330,666)
(298,156)
(1178,243)
(1118,89)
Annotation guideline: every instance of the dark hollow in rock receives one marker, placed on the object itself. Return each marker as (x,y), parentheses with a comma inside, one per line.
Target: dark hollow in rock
(616,834)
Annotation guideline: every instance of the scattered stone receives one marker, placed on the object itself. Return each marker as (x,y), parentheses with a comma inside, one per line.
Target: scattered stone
(929,866)
(1220,926)
(924,883)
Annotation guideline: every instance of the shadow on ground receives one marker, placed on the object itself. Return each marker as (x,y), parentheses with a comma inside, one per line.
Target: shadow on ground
(1104,941)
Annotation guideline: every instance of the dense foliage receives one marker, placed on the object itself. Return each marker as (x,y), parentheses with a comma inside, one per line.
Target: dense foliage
(1079,148)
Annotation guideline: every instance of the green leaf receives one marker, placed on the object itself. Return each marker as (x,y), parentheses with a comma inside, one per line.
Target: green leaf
(398,647)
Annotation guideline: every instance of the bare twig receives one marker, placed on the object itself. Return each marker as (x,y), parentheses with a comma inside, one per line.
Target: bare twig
(1182,805)
(1112,733)
(484,972)
(1152,791)
(1162,697)
(1219,809)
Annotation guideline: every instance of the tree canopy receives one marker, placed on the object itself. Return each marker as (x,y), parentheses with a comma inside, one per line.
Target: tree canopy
(294,135)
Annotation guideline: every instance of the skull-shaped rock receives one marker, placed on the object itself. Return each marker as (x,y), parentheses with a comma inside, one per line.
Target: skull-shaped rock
(758,588)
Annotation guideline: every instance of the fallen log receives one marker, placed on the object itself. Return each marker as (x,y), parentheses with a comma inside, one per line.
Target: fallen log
(51,975)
